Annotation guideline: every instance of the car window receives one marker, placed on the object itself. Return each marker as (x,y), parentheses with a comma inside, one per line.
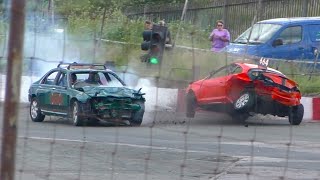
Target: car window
(314,32)
(258,33)
(50,79)
(62,80)
(235,69)
(291,35)
(220,73)
(113,80)
(95,78)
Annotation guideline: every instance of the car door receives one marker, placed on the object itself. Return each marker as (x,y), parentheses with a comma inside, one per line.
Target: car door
(314,36)
(292,44)
(47,84)
(59,95)
(212,89)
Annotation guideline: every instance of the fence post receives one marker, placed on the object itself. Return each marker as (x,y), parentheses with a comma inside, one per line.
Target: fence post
(13,81)
(305,4)
(225,11)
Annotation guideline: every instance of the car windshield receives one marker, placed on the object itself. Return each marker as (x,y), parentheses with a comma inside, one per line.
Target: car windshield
(95,78)
(258,33)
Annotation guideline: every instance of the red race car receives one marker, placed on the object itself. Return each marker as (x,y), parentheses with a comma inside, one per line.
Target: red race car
(241,89)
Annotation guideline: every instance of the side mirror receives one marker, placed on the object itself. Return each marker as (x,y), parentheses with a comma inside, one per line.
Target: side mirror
(277,42)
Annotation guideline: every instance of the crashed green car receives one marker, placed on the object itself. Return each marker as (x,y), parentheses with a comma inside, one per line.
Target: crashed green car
(85,93)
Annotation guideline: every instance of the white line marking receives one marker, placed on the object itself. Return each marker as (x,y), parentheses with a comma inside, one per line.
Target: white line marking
(119,144)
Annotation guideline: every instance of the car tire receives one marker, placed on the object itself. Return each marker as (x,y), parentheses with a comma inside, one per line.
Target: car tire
(190,105)
(296,114)
(75,111)
(244,102)
(137,117)
(35,111)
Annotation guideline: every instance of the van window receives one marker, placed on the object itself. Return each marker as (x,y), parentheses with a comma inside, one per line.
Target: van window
(259,33)
(291,35)
(314,32)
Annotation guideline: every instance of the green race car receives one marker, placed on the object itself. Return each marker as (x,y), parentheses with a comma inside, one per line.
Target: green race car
(85,93)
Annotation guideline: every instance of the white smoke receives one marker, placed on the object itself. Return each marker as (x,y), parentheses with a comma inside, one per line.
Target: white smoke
(48,49)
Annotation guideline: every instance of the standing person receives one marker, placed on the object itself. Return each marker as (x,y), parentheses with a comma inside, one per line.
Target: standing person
(219,37)
(145,45)
(148,25)
(168,39)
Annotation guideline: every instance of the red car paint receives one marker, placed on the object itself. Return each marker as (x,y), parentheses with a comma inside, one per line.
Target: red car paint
(273,92)
(226,89)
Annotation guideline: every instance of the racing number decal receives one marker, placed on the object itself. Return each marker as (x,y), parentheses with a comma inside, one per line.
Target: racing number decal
(264,62)
(56,99)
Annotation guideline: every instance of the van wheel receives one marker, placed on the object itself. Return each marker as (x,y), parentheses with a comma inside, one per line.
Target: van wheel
(190,105)
(296,114)
(244,102)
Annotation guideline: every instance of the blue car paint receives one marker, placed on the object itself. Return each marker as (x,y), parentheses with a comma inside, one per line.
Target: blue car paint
(303,50)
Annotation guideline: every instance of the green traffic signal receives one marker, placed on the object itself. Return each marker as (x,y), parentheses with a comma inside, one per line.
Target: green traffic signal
(154,60)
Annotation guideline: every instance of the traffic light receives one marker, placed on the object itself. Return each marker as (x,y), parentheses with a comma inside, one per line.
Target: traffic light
(154,43)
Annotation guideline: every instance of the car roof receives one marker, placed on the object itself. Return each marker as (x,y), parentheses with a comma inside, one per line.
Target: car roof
(82,67)
(249,66)
(87,70)
(300,20)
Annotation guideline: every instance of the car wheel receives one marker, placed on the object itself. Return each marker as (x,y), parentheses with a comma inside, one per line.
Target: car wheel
(35,111)
(137,117)
(190,105)
(244,102)
(76,119)
(296,114)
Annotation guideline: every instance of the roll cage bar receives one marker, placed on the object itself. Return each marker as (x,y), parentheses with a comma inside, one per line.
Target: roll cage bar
(76,65)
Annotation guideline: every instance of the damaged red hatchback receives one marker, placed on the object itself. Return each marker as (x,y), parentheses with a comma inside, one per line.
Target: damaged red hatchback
(241,89)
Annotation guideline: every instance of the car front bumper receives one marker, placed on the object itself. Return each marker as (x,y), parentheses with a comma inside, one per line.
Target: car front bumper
(286,98)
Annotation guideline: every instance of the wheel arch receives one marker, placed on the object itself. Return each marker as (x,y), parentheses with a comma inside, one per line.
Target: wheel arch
(31,96)
(191,92)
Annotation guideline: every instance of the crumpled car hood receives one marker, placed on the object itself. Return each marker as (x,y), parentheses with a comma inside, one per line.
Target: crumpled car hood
(102,91)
